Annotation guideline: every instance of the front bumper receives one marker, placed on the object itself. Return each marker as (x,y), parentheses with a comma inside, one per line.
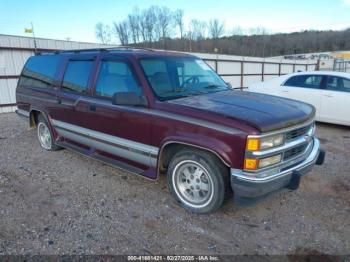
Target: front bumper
(252,187)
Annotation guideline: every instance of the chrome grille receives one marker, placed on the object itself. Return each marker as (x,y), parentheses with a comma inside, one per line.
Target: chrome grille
(295,151)
(293,134)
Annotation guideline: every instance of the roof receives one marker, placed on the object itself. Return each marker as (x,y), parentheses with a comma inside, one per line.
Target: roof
(331,73)
(283,78)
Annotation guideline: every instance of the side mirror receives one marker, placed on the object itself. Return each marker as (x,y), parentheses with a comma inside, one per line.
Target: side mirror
(129,99)
(228,84)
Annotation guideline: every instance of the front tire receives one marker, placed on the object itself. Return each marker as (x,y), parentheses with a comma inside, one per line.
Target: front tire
(197,180)
(45,136)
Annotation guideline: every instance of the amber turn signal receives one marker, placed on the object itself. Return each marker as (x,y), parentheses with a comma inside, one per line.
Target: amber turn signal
(253,144)
(251,163)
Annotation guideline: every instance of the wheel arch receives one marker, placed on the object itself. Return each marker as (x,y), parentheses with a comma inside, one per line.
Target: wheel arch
(169,147)
(34,117)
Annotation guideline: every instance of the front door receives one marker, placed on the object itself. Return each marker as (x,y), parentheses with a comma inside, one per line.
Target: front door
(305,88)
(123,132)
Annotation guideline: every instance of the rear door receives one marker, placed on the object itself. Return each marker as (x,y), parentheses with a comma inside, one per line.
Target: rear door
(336,100)
(75,84)
(306,88)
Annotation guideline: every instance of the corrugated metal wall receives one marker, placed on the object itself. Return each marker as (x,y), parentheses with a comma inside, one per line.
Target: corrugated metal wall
(27,42)
(14,51)
(237,70)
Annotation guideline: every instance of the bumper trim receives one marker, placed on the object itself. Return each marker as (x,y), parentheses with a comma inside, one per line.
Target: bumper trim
(310,160)
(22,113)
(251,187)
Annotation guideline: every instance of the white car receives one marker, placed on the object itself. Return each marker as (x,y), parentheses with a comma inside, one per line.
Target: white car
(328,91)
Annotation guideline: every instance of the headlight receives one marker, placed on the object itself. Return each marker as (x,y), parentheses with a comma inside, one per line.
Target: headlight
(271,141)
(254,164)
(255,144)
(268,161)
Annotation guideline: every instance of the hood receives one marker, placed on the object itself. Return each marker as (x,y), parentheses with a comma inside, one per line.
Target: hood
(264,112)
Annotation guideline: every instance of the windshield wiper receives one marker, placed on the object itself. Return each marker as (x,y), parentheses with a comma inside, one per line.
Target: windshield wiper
(213,86)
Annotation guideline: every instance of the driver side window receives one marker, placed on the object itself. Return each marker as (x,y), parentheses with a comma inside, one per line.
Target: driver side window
(158,75)
(115,77)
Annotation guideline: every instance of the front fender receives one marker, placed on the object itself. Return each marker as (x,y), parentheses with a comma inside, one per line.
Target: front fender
(224,151)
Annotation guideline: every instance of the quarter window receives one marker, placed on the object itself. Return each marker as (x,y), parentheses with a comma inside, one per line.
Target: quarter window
(335,83)
(307,81)
(114,77)
(40,71)
(76,77)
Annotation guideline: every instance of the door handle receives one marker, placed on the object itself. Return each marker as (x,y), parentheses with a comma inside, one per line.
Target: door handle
(59,101)
(328,95)
(92,107)
(285,91)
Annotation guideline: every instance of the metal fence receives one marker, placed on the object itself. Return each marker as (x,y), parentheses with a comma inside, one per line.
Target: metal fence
(242,73)
(239,71)
(341,65)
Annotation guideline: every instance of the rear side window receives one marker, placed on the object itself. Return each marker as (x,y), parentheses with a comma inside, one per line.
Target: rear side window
(335,83)
(114,77)
(77,75)
(308,81)
(40,71)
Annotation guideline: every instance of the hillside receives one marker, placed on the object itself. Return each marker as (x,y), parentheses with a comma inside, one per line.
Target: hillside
(261,45)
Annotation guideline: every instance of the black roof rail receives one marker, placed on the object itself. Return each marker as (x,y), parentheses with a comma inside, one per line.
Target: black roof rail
(101,49)
(136,48)
(72,51)
(81,50)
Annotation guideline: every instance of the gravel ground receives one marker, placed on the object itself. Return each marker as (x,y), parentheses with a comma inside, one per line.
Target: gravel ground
(64,203)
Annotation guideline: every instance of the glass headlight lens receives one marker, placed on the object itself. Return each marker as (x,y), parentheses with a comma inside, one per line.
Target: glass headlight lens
(271,141)
(256,144)
(268,161)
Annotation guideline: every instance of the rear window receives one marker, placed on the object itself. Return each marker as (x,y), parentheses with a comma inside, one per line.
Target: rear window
(39,71)
(308,81)
(335,83)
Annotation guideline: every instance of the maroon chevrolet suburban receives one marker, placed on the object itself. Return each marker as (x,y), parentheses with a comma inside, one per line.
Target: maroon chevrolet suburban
(155,112)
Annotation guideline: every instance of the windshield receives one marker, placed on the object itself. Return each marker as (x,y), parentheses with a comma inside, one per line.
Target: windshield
(175,77)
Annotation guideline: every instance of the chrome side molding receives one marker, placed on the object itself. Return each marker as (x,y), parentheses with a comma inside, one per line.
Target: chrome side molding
(135,151)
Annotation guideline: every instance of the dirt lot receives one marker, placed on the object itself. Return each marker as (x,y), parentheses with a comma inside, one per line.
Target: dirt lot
(63,203)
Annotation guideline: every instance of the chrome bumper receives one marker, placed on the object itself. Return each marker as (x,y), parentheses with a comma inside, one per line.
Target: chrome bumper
(245,185)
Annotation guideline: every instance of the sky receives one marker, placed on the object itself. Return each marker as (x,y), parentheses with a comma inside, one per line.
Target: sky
(76,19)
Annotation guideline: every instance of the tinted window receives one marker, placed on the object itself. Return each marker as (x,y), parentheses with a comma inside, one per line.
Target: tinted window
(308,81)
(114,77)
(40,71)
(338,84)
(76,76)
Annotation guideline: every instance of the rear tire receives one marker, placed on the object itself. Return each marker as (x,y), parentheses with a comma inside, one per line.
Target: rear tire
(45,136)
(198,180)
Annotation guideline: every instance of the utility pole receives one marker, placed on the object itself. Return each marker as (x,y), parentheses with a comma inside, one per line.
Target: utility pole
(35,47)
